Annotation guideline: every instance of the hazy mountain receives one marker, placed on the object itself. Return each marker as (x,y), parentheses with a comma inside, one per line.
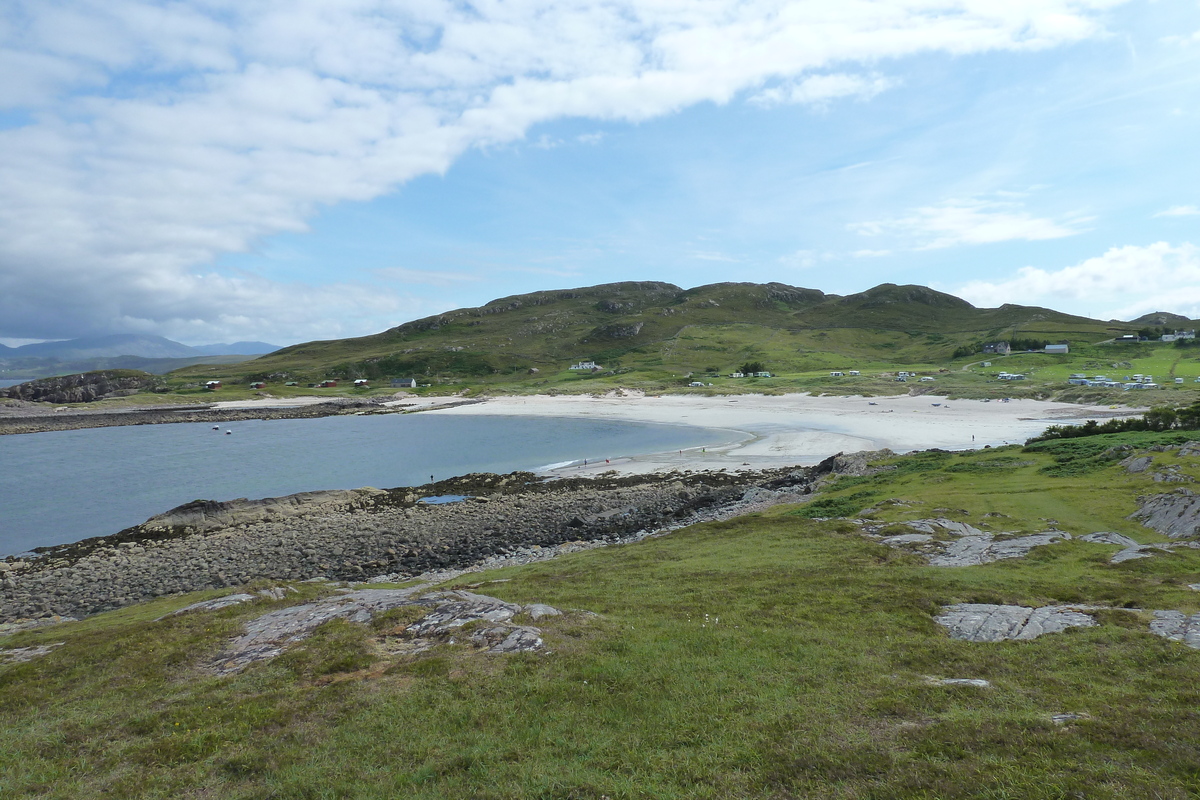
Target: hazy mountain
(119,344)
(236,348)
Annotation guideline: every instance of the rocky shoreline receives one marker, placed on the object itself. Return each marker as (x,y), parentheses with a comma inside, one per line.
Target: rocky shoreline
(394,534)
(26,417)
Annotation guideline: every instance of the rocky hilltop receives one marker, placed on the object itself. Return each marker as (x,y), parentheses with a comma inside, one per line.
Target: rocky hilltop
(85,387)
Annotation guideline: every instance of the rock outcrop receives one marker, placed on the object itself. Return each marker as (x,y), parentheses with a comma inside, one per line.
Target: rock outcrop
(448,614)
(979,622)
(1175,514)
(85,387)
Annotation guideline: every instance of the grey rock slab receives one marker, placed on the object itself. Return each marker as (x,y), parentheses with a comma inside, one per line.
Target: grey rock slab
(266,636)
(983,549)
(19,655)
(539,610)
(980,622)
(455,609)
(215,604)
(1108,537)
(508,638)
(947,525)
(1175,514)
(908,538)
(448,612)
(1177,626)
(1135,464)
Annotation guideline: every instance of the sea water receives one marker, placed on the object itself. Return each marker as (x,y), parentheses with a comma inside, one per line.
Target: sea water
(63,486)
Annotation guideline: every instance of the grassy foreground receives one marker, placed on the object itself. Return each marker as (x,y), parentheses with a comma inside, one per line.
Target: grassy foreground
(774,655)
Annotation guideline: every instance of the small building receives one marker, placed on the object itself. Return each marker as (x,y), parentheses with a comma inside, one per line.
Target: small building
(361,383)
(737,375)
(1177,335)
(762,374)
(212,386)
(326,384)
(1129,337)
(853,372)
(258,385)
(1058,349)
(987,364)
(837,374)
(585,366)
(404,383)
(291,383)
(999,348)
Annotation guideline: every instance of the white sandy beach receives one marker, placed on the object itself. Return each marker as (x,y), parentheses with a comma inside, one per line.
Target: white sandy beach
(761,432)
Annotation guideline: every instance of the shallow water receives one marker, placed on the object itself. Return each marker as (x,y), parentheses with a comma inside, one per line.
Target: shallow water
(63,486)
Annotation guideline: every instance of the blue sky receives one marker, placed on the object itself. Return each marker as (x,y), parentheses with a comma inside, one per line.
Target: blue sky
(308,170)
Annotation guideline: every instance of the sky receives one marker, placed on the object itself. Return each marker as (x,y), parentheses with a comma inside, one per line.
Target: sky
(213,170)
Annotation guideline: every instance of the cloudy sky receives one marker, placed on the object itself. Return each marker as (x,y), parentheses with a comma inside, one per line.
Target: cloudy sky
(284,170)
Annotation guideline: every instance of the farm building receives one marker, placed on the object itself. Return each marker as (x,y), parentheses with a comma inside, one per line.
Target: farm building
(212,385)
(258,385)
(585,365)
(404,383)
(1058,349)
(326,384)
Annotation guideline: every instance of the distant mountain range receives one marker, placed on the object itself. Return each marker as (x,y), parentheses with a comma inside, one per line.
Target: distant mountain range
(154,354)
(131,344)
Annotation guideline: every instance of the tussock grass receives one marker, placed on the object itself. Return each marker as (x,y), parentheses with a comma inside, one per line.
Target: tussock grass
(767,656)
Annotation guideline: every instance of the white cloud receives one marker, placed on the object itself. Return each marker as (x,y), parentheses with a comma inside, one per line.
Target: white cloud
(871,253)
(166,135)
(1180,211)
(713,255)
(803,259)
(970,221)
(820,89)
(1124,283)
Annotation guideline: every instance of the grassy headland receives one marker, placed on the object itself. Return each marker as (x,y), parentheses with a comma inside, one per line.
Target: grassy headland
(773,655)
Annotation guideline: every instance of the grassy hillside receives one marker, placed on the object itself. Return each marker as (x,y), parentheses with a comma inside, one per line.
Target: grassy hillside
(656,333)
(774,655)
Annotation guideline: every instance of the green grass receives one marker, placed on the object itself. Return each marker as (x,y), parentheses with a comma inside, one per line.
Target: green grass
(768,656)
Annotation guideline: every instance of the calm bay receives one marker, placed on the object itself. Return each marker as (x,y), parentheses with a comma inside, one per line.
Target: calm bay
(64,486)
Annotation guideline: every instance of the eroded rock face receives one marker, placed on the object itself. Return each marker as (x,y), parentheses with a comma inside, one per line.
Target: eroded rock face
(978,622)
(448,613)
(1175,514)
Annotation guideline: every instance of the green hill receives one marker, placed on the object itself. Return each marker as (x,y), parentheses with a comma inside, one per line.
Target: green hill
(660,332)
